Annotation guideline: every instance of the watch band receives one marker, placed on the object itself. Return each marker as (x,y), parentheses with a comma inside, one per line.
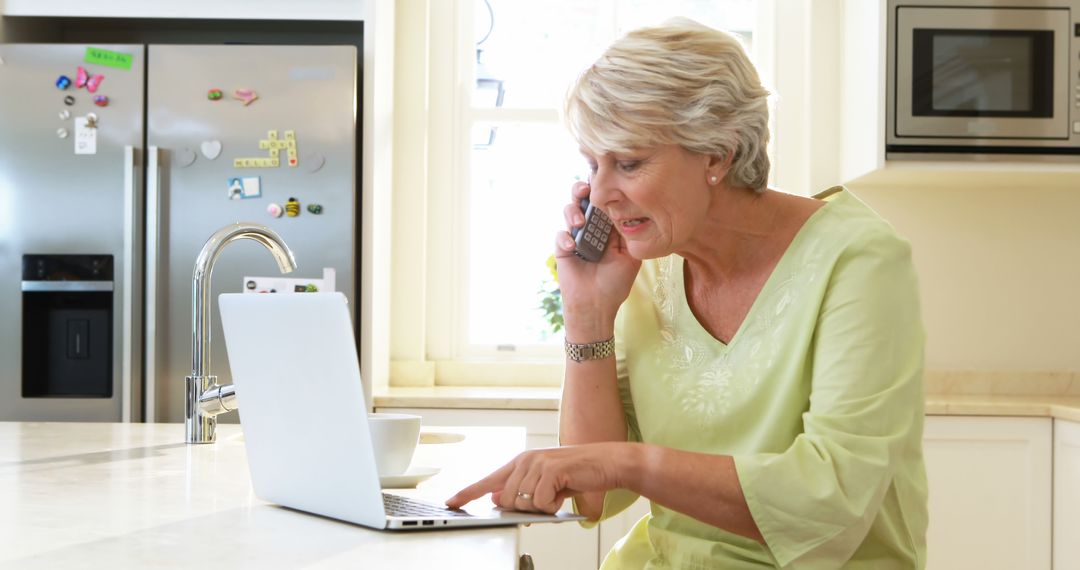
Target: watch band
(590,350)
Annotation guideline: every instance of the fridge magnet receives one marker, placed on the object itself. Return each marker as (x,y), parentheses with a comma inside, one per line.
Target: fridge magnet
(101,100)
(69,100)
(274,210)
(211,149)
(244,187)
(290,142)
(314,162)
(314,208)
(273,146)
(62,133)
(63,82)
(91,121)
(292,208)
(64,115)
(108,58)
(185,157)
(85,135)
(245,95)
(214,94)
(255,162)
(84,79)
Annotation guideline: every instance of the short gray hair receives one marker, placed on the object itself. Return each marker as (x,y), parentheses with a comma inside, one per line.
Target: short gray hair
(679,83)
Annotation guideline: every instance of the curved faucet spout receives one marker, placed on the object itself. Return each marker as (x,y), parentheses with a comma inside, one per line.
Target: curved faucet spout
(200,422)
(200,281)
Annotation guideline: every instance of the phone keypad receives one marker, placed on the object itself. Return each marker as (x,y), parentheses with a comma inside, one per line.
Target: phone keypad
(592,238)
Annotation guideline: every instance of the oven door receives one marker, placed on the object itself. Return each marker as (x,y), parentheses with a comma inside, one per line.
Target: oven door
(981,73)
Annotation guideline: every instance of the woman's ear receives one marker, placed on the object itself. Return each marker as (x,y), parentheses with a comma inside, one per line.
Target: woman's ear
(716,168)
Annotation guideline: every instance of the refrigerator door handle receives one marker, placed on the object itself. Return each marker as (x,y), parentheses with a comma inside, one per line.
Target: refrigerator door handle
(131,299)
(153,241)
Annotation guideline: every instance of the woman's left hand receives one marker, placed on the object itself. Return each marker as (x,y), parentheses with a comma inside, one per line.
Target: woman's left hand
(540,480)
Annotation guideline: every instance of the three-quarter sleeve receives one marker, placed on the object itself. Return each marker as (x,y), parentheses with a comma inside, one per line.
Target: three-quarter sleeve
(815,502)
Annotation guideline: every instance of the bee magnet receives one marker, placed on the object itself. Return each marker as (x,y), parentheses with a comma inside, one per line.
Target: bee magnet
(292,208)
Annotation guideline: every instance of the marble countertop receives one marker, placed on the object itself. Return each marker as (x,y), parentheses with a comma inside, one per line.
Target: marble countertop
(1054,395)
(91,495)
(1057,407)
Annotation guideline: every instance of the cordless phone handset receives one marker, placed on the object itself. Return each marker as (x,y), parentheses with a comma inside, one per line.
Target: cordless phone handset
(592,238)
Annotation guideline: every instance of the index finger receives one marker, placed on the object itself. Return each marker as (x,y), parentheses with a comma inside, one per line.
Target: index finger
(493,482)
(580,190)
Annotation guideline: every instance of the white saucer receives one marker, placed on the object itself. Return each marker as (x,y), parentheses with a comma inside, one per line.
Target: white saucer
(408,479)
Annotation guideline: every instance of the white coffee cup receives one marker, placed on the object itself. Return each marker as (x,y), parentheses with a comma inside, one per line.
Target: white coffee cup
(394,437)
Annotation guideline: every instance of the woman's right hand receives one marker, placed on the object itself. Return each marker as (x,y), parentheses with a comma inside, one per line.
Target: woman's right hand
(591,292)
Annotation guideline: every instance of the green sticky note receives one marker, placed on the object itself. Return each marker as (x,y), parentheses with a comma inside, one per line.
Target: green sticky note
(108,58)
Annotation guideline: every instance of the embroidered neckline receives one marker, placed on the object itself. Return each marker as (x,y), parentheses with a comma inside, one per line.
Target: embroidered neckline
(700,368)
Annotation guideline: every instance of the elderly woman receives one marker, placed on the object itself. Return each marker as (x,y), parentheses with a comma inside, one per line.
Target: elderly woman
(750,361)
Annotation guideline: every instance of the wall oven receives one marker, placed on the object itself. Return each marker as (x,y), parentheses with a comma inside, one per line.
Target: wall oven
(986,77)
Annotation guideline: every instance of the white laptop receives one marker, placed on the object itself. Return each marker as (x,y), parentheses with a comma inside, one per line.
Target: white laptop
(304,417)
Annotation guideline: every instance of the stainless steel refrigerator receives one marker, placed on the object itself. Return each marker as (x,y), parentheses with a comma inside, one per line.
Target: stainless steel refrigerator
(109,193)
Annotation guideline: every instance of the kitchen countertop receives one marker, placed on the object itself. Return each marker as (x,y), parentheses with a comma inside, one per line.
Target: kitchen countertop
(1056,407)
(77,495)
(1053,395)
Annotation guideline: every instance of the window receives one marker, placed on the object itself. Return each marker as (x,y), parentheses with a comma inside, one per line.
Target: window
(522,160)
(499,167)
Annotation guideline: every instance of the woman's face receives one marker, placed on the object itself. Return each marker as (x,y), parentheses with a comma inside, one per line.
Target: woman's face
(657,197)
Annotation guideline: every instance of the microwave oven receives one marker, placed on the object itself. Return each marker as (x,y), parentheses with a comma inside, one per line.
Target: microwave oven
(990,78)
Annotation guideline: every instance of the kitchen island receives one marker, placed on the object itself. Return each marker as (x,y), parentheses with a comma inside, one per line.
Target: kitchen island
(94,495)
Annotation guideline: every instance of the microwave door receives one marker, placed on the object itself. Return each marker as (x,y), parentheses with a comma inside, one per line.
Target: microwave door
(981,73)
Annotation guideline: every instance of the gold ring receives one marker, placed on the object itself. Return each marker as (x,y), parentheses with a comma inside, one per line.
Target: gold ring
(523,495)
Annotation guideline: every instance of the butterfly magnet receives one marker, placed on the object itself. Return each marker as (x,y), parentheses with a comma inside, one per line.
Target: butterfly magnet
(84,79)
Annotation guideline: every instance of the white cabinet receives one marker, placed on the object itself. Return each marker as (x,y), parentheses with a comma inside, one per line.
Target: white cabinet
(990,492)
(1066,495)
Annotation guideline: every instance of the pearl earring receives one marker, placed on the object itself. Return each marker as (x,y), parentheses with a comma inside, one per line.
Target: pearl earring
(713,180)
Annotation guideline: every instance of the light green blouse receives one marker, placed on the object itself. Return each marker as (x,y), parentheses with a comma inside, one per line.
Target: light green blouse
(818,397)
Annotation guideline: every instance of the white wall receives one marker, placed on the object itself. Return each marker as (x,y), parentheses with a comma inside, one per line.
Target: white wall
(998,258)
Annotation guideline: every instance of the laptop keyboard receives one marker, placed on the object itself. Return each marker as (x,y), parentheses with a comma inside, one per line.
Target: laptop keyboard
(398,506)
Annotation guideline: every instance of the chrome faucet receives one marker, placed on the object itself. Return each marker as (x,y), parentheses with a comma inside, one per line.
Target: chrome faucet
(204,398)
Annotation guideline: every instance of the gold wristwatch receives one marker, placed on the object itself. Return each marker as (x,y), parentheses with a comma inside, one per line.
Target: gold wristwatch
(590,350)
